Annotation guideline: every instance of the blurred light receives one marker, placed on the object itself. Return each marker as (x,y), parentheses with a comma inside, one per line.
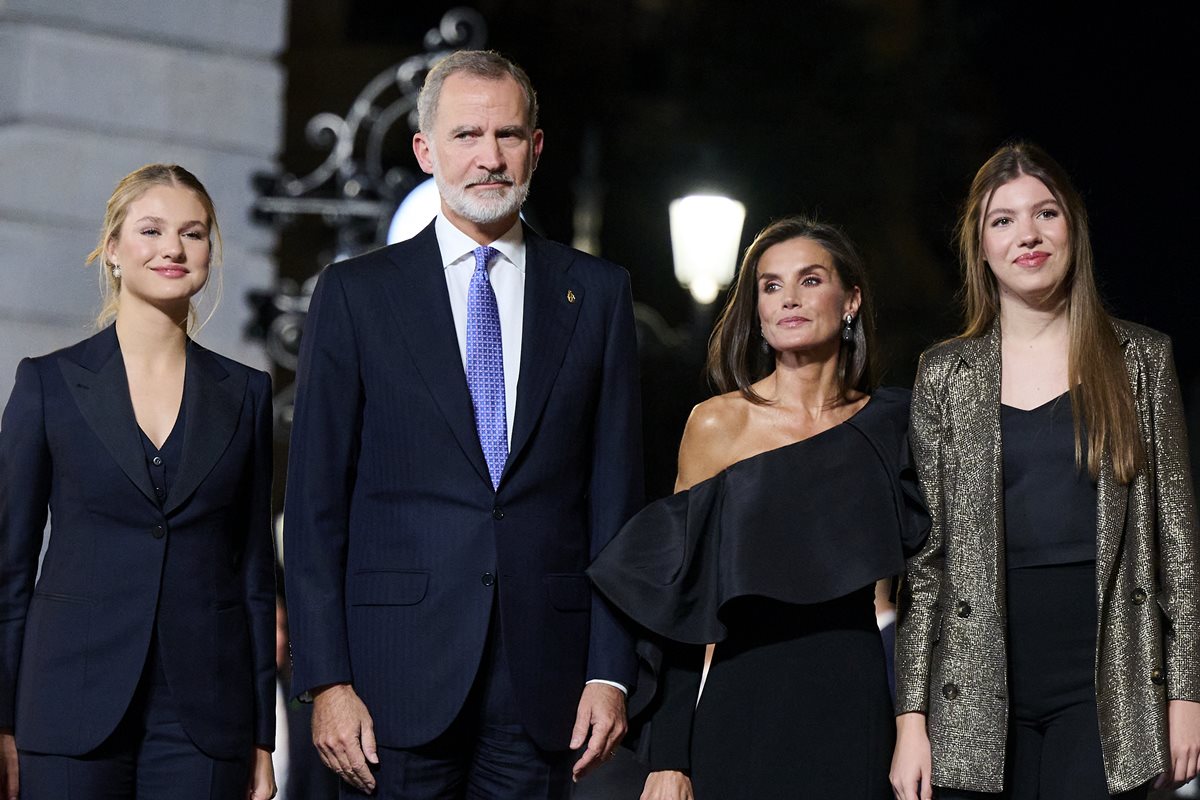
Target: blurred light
(417,209)
(706,231)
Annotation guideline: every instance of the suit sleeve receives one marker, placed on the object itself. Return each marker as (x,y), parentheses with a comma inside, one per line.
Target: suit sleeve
(917,611)
(1179,560)
(617,487)
(25,474)
(259,566)
(321,468)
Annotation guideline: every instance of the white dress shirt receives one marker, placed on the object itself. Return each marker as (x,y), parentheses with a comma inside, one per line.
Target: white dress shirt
(507,275)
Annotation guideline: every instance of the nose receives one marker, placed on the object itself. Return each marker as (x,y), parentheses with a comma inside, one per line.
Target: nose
(491,157)
(1028,234)
(172,248)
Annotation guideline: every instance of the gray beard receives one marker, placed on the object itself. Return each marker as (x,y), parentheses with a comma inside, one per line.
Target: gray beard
(483,208)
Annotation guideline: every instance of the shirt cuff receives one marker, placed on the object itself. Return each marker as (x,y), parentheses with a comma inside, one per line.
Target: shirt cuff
(624,691)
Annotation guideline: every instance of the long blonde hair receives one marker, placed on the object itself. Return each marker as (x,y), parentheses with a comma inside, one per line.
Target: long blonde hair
(1101,397)
(130,188)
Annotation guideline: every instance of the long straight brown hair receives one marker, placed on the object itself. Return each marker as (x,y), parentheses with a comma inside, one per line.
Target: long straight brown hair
(1101,397)
(735,358)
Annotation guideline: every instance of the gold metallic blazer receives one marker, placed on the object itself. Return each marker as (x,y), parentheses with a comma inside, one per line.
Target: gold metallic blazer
(951,659)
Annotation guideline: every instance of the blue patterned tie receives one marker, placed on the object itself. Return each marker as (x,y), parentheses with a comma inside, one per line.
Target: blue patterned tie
(485,366)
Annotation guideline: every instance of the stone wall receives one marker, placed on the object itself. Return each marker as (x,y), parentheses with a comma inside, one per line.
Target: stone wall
(90,91)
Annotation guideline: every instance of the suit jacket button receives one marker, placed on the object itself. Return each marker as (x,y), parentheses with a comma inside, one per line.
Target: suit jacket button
(1157,677)
(488,579)
(497,513)
(950,691)
(963,608)
(1138,596)
(158,532)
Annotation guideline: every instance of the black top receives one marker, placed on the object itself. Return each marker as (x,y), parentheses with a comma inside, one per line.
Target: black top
(163,463)
(805,523)
(1049,503)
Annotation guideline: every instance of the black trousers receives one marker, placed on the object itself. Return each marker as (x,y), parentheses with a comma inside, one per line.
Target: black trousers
(484,755)
(1054,734)
(148,757)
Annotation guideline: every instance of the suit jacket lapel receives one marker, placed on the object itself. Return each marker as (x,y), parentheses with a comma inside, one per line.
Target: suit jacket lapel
(212,406)
(97,381)
(1112,498)
(977,419)
(417,289)
(552,303)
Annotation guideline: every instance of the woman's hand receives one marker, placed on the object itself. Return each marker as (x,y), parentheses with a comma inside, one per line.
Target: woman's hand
(262,780)
(668,785)
(911,762)
(9,782)
(1183,737)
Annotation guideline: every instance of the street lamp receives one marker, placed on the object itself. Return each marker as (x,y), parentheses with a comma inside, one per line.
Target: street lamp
(706,231)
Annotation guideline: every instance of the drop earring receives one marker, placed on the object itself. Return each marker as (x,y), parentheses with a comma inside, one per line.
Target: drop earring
(116,271)
(848,328)
(766,348)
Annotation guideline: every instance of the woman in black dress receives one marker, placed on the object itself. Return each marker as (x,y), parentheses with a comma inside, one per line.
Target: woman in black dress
(792,501)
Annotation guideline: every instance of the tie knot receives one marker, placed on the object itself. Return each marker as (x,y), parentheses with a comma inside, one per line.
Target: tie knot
(483,257)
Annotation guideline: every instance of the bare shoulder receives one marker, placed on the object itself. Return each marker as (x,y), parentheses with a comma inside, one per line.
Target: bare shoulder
(712,429)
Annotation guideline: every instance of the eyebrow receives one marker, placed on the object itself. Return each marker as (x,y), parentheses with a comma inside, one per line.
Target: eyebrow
(1050,201)
(161,221)
(803,271)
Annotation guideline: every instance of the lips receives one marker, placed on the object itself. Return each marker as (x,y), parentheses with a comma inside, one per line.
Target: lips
(170,271)
(792,322)
(1034,259)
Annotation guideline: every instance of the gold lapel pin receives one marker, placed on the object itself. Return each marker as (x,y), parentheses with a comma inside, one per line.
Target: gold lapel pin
(570,296)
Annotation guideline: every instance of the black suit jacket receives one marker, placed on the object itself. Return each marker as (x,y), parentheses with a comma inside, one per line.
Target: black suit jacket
(199,568)
(396,545)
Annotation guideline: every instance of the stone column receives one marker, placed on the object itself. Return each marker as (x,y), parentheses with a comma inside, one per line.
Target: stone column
(92,90)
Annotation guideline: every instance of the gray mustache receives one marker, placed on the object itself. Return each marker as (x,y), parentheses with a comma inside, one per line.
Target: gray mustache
(493,177)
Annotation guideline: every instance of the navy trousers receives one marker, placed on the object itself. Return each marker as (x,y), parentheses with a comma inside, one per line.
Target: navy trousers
(148,757)
(484,755)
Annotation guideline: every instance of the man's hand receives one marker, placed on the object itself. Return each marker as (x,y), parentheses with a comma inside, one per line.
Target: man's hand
(9,782)
(1183,737)
(344,735)
(601,708)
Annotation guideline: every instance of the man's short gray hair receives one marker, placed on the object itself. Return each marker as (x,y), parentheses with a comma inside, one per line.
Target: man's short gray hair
(482,63)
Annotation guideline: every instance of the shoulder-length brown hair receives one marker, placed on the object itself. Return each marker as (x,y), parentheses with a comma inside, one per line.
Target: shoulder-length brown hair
(736,358)
(1101,397)
(130,188)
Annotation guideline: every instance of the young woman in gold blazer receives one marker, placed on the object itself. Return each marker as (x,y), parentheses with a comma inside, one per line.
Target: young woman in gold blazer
(1048,644)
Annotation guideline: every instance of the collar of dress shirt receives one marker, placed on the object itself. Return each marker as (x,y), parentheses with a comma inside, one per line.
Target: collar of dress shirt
(456,245)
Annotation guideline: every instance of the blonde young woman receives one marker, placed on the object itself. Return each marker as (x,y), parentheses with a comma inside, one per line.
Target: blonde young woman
(792,500)
(1048,643)
(140,662)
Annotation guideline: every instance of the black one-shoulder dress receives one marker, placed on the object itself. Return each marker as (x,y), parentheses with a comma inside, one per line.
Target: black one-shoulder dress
(775,561)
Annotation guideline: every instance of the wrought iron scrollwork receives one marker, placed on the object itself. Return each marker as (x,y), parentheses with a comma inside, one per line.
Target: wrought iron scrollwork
(354,189)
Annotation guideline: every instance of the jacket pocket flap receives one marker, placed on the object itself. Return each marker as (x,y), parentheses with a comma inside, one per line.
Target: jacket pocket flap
(388,587)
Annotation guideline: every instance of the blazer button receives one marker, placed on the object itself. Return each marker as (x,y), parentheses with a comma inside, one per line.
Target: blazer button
(158,532)
(963,609)
(1157,677)
(157,461)
(950,691)
(1138,596)
(497,513)
(488,579)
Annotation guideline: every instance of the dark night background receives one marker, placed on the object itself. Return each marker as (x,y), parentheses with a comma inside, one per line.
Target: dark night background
(871,114)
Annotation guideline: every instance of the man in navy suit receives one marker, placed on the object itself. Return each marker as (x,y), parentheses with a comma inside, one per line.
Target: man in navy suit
(466,439)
